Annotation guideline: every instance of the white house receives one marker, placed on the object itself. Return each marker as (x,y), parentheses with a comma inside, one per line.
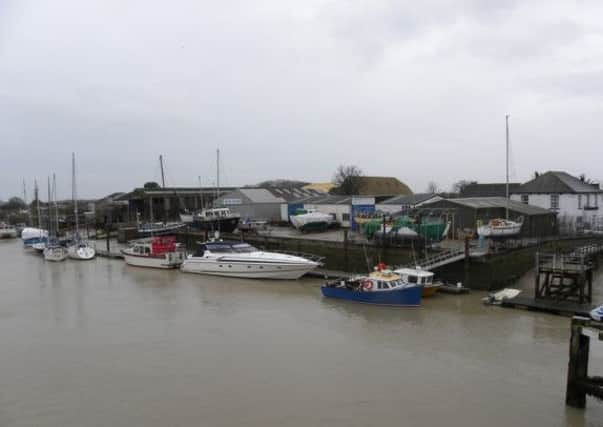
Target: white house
(575,201)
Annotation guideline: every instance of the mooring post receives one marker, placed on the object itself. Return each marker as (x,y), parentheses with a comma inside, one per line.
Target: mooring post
(577,370)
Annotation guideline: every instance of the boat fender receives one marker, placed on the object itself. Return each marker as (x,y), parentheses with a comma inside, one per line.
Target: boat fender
(367,285)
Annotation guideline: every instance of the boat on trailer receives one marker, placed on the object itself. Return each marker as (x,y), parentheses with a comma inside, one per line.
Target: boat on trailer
(156,252)
(239,259)
(499,228)
(380,287)
(311,221)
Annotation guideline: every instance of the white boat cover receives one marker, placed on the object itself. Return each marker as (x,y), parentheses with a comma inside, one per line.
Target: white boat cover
(32,233)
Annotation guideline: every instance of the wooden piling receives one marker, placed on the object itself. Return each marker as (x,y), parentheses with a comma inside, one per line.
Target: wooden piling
(579,384)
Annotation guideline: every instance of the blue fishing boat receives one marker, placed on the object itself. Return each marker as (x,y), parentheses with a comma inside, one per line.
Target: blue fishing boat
(380,287)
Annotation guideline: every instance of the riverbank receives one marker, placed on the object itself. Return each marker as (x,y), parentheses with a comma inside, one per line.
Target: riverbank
(102,343)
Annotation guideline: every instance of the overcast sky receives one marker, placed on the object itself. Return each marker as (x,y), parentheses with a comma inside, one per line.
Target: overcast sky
(416,90)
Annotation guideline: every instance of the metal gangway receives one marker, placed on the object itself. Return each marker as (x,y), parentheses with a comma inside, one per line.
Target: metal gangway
(437,260)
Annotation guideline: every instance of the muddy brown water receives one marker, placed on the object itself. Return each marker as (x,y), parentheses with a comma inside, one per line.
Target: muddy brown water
(104,344)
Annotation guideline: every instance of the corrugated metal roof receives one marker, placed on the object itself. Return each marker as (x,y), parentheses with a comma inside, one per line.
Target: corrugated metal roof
(499,202)
(556,182)
(261,195)
(412,199)
(488,190)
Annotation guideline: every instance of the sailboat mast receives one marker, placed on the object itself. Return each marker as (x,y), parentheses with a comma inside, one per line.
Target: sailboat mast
(74,196)
(37,195)
(49,211)
(507,156)
(56,206)
(27,204)
(218,173)
(200,192)
(162,173)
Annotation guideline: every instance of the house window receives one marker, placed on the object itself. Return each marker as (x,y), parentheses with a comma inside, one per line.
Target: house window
(345,217)
(525,199)
(579,201)
(555,201)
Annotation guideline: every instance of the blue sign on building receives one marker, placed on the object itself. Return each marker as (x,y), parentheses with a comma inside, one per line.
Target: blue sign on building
(360,206)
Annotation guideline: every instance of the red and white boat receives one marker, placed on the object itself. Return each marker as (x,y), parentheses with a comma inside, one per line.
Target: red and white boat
(155,252)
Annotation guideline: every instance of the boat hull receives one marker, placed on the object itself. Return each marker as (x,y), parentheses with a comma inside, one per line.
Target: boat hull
(55,253)
(430,290)
(406,297)
(247,270)
(82,253)
(226,225)
(164,261)
(8,233)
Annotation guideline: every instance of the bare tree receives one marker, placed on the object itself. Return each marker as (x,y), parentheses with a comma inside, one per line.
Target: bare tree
(433,188)
(346,180)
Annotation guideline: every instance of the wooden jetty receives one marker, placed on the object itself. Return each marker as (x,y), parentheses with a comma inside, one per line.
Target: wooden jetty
(579,384)
(563,282)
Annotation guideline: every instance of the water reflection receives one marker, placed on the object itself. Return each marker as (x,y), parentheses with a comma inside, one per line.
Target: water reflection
(128,346)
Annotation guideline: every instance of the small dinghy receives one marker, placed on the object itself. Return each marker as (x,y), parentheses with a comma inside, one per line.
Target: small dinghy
(597,314)
(495,298)
(380,288)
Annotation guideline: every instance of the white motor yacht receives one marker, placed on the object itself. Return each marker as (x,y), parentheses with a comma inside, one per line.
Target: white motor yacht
(238,259)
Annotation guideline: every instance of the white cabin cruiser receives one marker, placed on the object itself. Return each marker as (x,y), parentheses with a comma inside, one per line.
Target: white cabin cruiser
(238,259)
(155,252)
(7,231)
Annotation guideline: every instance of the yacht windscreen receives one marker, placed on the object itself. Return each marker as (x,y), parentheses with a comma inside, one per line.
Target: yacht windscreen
(243,248)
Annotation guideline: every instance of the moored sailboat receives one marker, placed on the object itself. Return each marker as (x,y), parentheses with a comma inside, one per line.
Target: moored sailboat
(53,250)
(79,249)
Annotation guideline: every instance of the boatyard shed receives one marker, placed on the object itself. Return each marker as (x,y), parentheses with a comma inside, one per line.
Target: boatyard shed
(266,203)
(475,189)
(470,212)
(153,203)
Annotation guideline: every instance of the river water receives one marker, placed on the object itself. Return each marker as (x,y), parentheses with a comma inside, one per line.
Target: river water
(104,344)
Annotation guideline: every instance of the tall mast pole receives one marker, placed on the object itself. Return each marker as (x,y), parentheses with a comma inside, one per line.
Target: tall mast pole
(74,197)
(200,192)
(37,194)
(49,212)
(162,173)
(218,173)
(27,204)
(163,187)
(507,152)
(56,206)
